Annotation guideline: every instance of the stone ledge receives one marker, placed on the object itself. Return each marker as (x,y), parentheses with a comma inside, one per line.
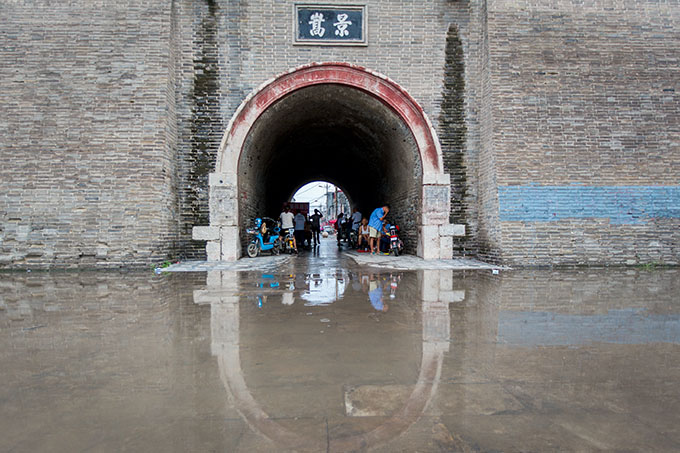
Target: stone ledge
(245,264)
(222,179)
(436,179)
(452,229)
(205,233)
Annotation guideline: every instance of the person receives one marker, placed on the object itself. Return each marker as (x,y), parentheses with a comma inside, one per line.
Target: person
(356,219)
(316,225)
(308,232)
(347,227)
(385,238)
(363,233)
(286,218)
(339,226)
(300,227)
(375,226)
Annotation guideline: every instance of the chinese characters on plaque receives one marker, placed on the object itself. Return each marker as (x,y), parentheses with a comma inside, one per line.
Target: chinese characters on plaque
(329,25)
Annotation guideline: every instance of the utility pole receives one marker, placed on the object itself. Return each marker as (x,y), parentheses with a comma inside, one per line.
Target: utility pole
(328,205)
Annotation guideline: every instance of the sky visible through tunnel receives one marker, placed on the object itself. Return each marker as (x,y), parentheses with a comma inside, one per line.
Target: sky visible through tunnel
(314,193)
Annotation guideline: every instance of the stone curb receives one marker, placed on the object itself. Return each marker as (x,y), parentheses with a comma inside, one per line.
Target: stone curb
(410,262)
(244,264)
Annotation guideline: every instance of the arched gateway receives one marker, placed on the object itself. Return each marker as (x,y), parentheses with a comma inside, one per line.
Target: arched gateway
(337,122)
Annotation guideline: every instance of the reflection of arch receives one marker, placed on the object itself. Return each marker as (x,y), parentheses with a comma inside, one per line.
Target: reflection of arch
(225,321)
(259,421)
(434,196)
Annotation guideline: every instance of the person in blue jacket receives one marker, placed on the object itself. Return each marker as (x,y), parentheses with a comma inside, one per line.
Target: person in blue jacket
(375,227)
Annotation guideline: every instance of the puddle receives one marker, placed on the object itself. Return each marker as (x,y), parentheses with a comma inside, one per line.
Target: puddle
(626,326)
(236,361)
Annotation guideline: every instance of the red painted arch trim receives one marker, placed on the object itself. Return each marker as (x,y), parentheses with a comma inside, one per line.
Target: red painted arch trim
(346,74)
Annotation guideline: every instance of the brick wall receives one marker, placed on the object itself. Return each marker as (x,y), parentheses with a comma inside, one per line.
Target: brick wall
(86,143)
(585,111)
(128,155)
(113,113)
(472,168)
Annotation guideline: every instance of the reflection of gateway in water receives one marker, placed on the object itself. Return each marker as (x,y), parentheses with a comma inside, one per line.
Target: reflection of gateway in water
(224,320)
(324,290)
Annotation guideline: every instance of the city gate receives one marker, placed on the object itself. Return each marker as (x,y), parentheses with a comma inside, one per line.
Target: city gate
(335,122)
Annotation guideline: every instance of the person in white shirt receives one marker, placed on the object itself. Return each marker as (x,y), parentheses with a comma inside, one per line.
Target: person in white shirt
(363,233)
(287,223)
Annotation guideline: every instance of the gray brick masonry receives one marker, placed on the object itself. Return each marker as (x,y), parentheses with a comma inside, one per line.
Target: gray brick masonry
(112,112)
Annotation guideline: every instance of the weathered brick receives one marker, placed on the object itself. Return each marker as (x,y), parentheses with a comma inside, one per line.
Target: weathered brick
(113,114)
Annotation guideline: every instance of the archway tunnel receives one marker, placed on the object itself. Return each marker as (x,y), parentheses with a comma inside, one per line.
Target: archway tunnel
(339,134)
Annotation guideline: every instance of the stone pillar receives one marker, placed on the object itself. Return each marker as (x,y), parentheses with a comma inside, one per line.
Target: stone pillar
(222,235)
(435,233)
(446,234)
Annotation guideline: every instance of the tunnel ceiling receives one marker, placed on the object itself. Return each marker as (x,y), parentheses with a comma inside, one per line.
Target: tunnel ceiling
(328,132)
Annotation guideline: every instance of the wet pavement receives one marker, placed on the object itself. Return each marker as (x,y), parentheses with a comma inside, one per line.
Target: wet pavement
(319,353)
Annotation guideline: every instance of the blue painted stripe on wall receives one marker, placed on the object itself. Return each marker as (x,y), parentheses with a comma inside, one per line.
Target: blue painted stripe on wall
(621,204)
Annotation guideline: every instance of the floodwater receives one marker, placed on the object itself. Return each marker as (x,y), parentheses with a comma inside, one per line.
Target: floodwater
(323,355)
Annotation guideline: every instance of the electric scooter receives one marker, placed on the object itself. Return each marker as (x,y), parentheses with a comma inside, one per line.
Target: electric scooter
(258,233)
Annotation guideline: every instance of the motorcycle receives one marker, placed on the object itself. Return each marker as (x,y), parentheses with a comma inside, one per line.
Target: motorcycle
(344,233)
(289,242)
(396,244)
(353,238)
(260,241)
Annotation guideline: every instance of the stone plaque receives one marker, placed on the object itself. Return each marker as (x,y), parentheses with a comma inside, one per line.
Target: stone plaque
(330,24)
